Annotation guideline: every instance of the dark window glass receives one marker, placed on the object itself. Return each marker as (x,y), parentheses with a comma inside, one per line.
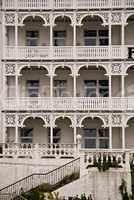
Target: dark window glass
(32,88)
(26,135)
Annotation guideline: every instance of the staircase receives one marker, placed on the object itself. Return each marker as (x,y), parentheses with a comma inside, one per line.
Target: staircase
(53,178)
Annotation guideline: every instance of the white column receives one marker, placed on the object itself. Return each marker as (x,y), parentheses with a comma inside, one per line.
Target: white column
(110,137)
(16,91)
(74,35)
(51,35)
(75,134)
(51,129)
(123,137)
(110,86)
(16,87)
(74,78)
(122,85)
(4,86)
(51,85)
(110,36)
(16,34)
(16,130)
(110,31)
(75,130)
(123,35)
(4,129)
(3,35)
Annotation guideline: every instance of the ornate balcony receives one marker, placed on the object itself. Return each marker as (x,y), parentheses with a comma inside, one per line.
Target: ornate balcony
(38,151)
(67,4)
(69,103)
(66,52)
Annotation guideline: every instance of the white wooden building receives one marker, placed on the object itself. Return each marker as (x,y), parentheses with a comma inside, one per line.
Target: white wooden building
(67,83)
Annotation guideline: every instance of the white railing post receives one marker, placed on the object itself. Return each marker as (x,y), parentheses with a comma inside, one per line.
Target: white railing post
(36,151)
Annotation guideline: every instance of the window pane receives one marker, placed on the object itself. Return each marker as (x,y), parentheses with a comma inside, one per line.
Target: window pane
(90,83)
(103,33)
(59,42)
(103,41)
(90,132)
(104,143)
(32,34)
(32,88)
(103,82)
(104,132)
(60,34)
(90,143)
(103,92)
(90,92)
(90,33)
(90,41)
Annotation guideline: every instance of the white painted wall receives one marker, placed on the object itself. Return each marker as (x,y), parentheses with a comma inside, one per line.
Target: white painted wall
(12,170)
(102,186)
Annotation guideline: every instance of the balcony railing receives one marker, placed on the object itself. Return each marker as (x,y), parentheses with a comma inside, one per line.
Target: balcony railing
(69,103)
(66,4)
(38,151)
(66,52)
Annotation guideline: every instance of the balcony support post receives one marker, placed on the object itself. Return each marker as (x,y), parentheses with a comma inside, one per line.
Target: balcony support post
(123,36)
(3,130)
(110,86)
(51,128)
(110,137)
(51,86)
(51,35)
(74,78)
(74,35)
(16,34)
(75,130)
(110,37)
(16,130)
(123,137)
(3,35)
(122,85)
(16,89)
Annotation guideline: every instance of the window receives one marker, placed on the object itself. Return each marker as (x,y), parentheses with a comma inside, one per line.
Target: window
(56,135)
(103,38)
(32,38)
(90,38)
(96,88)
(96,138)
(32,87)
(60,88)
(96,37)
(26,135)
(59,38)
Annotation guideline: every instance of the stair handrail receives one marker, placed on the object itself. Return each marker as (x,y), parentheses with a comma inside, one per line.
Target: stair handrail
(36,179)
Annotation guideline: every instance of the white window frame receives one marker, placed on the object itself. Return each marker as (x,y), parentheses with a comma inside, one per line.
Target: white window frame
(97,38)
(97,87)
(97,138)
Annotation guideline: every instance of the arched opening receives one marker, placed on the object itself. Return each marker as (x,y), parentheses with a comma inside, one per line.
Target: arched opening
(63,32)
(92,82)
(34,82)
(63,133)
(92,32)
(129,134)
(63,82)
(93,134)
(33,131)
(129,31)
(129,82)
(33,33)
